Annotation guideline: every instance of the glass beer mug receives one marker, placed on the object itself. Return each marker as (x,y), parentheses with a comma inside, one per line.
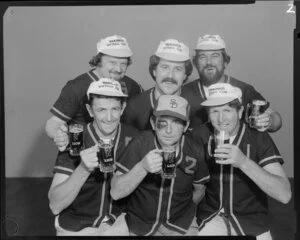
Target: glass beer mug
(253,110)
(106,156)
(76,139)
(169,162)
(218,138)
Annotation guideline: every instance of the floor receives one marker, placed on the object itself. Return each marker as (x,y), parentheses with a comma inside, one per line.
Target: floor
(28,213)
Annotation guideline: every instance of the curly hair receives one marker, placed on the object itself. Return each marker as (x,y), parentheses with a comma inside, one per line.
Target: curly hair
(96,60)
(226,57)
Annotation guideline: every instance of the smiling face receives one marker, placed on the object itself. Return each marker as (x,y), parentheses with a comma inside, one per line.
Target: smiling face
(169,76)
(168,130)
(113,67)
(107,114)
(210,65)
(225,118)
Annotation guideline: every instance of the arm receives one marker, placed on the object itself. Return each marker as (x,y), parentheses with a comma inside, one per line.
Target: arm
(271,178)
(64,189)
(56,129)
(198,192)
(124,184)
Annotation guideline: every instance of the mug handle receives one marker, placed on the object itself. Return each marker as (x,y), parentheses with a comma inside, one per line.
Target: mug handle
(247,113)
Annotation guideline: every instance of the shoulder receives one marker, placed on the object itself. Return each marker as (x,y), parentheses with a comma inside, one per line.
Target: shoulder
(200,133)
(81,81)
(129,130)
(238,83)
(191,85)
(141,98)
(143,140)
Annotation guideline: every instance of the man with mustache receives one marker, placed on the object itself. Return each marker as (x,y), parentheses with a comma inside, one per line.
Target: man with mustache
(211,60)
(112,59)
(170,67)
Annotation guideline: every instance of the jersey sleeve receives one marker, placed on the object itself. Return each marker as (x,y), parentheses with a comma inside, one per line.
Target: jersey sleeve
(267,152)
(131,156)
(67,103)
(65,164)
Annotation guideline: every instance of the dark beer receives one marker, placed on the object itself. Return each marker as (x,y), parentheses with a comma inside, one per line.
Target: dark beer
(76,139)
(106,157)
(169,164)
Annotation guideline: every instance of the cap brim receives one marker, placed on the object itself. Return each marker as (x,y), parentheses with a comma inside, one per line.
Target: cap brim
(108,94)
(217,101)
(209,47)
(172,57)
(117,52)
(170,113)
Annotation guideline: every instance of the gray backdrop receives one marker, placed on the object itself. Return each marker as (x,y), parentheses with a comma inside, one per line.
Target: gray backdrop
(46,46)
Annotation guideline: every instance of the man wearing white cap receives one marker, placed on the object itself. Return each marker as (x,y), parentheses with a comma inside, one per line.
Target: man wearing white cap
(159,206)
(244,172)
(211,60)
(79,194)
(112,59)
(170,67)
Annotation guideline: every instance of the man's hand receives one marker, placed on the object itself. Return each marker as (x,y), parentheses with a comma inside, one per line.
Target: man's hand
(61,138)
(89,159)
(263,121)
(152,162)
(232,154)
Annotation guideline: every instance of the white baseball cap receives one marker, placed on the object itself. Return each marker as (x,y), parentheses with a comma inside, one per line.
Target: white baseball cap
(222,93)
(210,42)
(115,46)
(172,105)
(173,50)
(106,87)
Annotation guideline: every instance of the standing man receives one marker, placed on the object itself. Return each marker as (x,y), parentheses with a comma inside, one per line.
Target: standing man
(156,205)
(79,194)
(244,172)
(170,67)
(211,60)
(112,59)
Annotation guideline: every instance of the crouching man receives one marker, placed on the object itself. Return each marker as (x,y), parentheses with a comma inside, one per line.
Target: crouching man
(80,193)
(244,171)
(163,187)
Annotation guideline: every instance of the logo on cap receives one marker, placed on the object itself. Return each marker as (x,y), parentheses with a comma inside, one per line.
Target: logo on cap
(173,103)
(210,42)
(106,87)
(173,50)
(116,46)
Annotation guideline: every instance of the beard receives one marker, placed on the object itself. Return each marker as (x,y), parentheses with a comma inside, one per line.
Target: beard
(209,79)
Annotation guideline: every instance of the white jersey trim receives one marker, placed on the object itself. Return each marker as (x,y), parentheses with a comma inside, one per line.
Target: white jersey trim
(268,159)
(64,169)
(60,113)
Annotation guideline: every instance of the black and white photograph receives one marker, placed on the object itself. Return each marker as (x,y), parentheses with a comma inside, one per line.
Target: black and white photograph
(149,120)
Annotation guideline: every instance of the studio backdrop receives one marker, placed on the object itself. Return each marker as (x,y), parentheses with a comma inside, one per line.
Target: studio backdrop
(44,47)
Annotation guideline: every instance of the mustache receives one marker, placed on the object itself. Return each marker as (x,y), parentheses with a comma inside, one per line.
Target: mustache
(167,79)
(209,66)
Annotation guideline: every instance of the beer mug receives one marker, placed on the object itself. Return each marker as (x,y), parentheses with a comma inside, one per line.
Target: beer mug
(169,162)
(76,139)
(253,110)
(106,156)
(219,138)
